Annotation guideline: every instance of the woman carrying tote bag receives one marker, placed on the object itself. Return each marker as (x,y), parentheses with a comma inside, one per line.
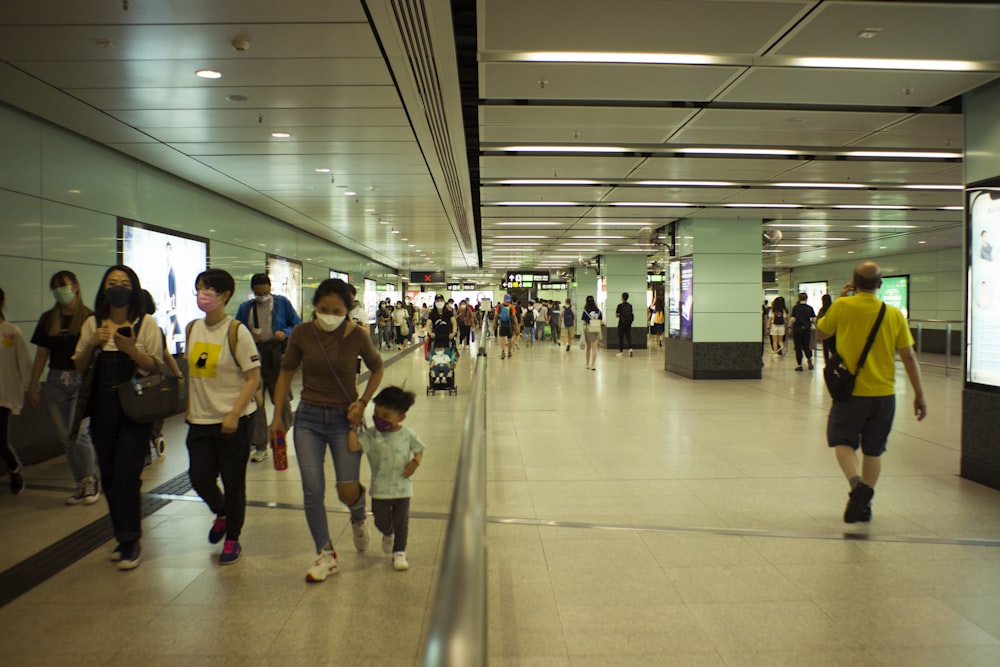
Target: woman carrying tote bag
(593,321)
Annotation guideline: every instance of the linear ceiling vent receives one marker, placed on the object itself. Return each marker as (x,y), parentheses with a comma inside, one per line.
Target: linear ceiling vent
(411,19)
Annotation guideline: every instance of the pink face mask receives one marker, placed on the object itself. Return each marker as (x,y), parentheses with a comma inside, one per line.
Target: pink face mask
(207,301)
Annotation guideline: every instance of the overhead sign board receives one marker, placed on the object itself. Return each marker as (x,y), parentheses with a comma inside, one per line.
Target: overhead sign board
(426,277)
(525,278)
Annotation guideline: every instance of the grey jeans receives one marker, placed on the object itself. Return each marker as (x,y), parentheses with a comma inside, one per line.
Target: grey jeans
(59,392)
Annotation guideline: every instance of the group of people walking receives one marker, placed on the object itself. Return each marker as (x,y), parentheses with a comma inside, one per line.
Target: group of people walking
(231,363)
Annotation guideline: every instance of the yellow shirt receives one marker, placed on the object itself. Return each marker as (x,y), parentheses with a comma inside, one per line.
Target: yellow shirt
(851,318)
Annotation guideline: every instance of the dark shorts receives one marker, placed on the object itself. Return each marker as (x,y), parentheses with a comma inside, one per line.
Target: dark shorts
(506,330)
(861,421)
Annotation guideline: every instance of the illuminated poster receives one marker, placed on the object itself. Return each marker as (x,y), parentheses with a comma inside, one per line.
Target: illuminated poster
(895,291)
(984,272)
(815,292)
(339,275)
(674,298)
(687,297)
(286,279)
(371,299)
(167,264)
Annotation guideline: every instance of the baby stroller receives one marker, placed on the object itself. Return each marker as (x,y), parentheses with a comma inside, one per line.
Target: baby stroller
(441,376)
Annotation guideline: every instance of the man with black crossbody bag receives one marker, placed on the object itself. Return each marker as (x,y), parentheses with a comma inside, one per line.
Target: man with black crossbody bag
(864,393)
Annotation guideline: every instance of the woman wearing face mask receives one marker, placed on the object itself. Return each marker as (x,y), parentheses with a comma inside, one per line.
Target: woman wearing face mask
(466,318)
(55,340)
(327,349)
(399,316)
(443,327)
(120,339)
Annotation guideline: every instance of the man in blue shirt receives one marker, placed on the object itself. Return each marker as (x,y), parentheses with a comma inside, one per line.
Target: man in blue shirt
(270,318)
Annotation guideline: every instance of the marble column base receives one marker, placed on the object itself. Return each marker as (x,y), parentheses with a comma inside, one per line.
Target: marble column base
(713,361)
(980,437)
(640,338)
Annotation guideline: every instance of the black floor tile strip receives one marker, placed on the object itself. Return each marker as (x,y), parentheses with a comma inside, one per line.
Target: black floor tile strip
(35,570)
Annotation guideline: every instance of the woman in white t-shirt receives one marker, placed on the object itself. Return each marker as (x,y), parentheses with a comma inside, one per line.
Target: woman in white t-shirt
(15,370)
(125,340)
(399,320)
(593,323)
(223,380)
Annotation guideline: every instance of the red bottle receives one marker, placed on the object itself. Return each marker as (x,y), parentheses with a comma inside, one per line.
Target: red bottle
(280,452)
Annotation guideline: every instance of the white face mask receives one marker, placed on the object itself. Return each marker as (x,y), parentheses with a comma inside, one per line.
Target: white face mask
(263,299)
(439,305)
(330,322)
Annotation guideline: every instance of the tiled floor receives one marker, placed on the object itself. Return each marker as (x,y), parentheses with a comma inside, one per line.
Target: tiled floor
(638,518)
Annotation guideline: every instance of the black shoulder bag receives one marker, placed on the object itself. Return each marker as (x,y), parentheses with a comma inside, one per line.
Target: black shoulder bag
(839,380)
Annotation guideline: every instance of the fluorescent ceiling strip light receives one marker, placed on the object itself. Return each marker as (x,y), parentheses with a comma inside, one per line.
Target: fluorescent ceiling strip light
(872,207)
(536,203)
(885,226)
(933,187)
(598,237)
(635,250)
(578,250)
(798,224)
(621,224)
(772,251)
(820,185)
(620,57)
(503,236)
(887,63)
(564,149)
(693,184)
(952,208)
(794,245)
(547,181)
(820,238)
(738,151)
(588,245)
(519,244)
(652,204)
(763,206)
(904,154)
(528,224)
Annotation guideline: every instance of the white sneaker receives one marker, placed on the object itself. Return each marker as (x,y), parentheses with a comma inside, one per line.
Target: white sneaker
(77,496)
(91,490)
(258,455)
(618,354)
(399,561)
(387,542)
(361,535)
(630,353)
(325,565)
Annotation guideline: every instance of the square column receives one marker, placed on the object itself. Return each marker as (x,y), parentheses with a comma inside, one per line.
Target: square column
(624,273)
(725,279)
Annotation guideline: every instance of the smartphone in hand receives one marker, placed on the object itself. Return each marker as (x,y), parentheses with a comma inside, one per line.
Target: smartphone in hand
(125,332)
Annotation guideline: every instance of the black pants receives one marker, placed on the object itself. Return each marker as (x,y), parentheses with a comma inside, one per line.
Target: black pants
(121,445)
(803,345)
(6,451)
(392,517)
(463,333)
(829,348)
(214,454)
(624,333)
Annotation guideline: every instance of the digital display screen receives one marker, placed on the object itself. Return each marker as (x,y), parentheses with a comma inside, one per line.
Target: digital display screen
(286,279)
(674,298)
(687,297)
(371,299)
(339,275)
(815,292)
(983,331)
(895,291)
(167,264)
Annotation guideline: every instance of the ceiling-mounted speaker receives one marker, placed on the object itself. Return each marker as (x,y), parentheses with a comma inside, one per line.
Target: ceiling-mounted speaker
(771,237)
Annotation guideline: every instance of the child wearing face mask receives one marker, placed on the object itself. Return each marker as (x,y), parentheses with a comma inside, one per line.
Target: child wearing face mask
(223,380)
(394,453)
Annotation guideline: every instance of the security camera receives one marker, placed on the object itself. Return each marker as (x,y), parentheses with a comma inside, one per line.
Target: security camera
(241,44)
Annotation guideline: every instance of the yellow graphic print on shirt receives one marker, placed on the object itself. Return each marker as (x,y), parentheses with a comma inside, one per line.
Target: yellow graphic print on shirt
(8,340)
(203,359)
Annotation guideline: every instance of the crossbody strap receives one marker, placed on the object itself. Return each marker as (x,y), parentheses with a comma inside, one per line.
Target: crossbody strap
(871,340)
(330,364)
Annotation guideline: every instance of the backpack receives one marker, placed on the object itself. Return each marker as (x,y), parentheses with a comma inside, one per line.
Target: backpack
(529,318)
(568,316)
(627,317)
(505,313)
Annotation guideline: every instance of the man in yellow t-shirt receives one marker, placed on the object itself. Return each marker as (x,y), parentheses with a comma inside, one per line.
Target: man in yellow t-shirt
(865,419)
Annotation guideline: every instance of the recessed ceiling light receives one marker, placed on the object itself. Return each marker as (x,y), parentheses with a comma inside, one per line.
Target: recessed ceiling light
(395,231)
(905,154)
(237,98)
(850,252)
(322,170)
(412,245)
(921,242)
(882,247)
(281,135)
(208,74)
(74,191)
(350,193)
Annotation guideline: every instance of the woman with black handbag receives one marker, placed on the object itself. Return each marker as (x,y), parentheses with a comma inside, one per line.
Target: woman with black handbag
(125,340)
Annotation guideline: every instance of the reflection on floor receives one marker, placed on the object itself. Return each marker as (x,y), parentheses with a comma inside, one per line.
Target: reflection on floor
(706,530)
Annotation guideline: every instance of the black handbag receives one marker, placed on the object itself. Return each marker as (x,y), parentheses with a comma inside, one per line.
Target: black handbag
(839,380)
(150,398)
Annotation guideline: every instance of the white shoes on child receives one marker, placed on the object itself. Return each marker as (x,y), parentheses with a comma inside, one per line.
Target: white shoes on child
(399,561)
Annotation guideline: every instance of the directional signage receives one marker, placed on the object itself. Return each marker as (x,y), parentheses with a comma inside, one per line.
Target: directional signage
(453,287)
(426,277)
(526,278)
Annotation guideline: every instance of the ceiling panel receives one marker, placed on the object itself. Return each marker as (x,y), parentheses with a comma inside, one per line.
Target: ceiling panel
(526,193)
(633,25)
(714,168)
(251,134)
(624,134)
(939,31)
(215,97)
(862,87)
(797,119)
(582,116)
(239,165)
(756,137)
(250,11)
(862,171)
(542,81)
(912,140)
(404,151)
(541,166)
(245,114)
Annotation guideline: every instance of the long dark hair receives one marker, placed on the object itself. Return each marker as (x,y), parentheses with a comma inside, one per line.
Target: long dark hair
(136,305)
(3,302)
(53,322)
(778,305)
(827,302)
(591,304)
(330,287)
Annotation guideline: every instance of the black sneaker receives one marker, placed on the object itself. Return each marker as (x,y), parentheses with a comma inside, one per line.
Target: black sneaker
(17,482)
(798,369)
(858,503)
(130,556)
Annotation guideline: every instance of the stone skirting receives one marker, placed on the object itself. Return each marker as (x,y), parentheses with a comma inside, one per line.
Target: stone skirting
(981,437)
(713,361)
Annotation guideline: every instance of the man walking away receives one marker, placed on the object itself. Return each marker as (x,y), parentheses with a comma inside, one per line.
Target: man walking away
(569,323)
(803,317)
(865,419)
(270,318)
(625,318)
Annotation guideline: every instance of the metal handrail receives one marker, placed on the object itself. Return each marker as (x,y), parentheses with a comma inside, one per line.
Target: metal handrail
(947,341)
(457,636)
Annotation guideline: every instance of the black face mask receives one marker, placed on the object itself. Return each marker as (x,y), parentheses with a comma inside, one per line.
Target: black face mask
(118,296)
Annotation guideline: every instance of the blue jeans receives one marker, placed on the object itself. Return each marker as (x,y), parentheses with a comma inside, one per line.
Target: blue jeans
(59,392)
(316,429)
(529,333)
